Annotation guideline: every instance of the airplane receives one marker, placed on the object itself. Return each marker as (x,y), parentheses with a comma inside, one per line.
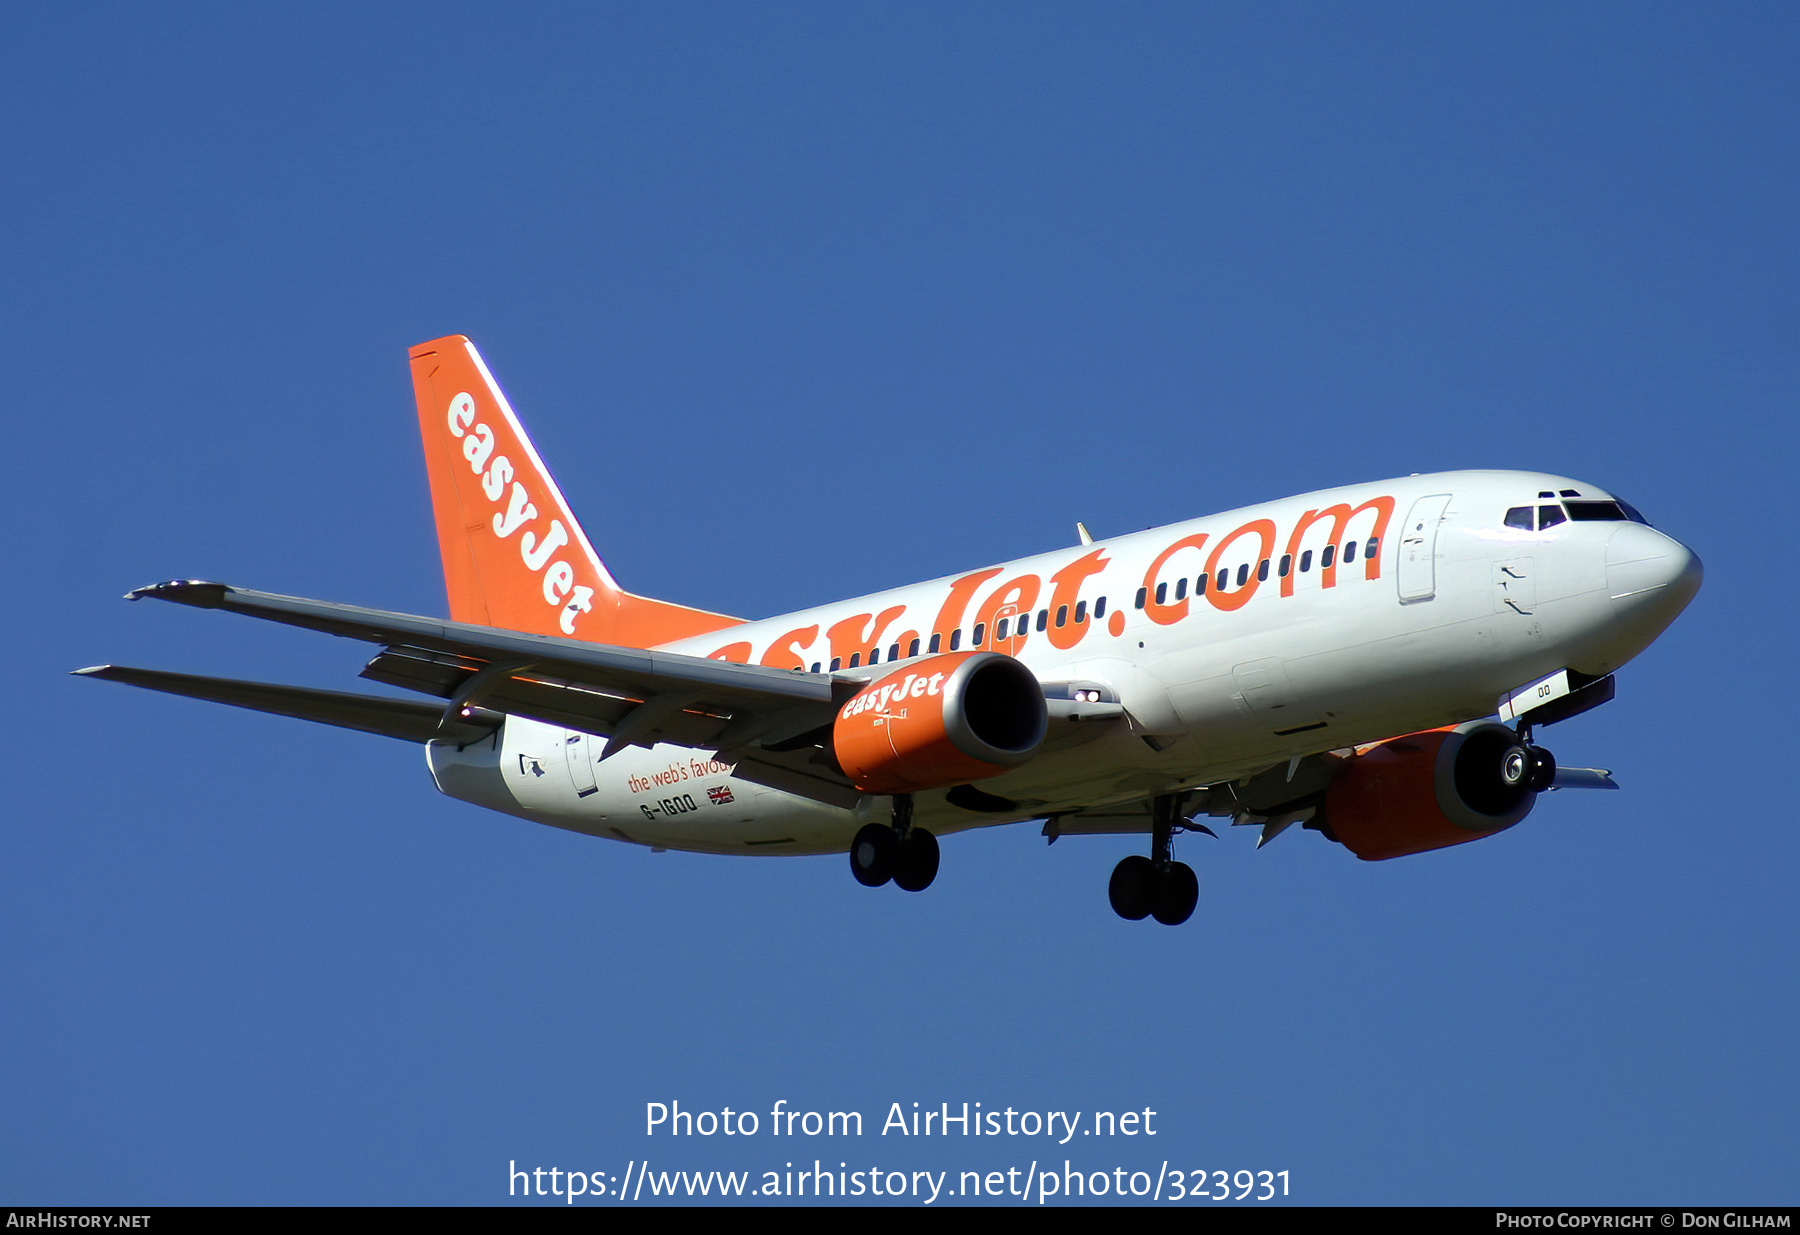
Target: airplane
(1370,662)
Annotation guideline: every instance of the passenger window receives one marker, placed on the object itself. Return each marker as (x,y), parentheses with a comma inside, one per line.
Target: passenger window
(894,652)
(1550,516)
(1062,611)
(1162,594)
(1349,551)
(1043,618)
(1262,571)
(1000,628)
(874,656)
(1224,577)
(1200,584)
(855,659)
(1326,557)
(1100,608)
(1142,596)
(1306,561)
(956,638)
(1520,517)
(1287,564)
(980,633)
(836,664)
(1243,574)
(1081,610)
(1181,588)
(937,641)
(1369,549)
(913,650)
(815,667)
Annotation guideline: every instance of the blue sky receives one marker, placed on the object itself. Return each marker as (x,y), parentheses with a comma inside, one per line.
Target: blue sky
(801,301)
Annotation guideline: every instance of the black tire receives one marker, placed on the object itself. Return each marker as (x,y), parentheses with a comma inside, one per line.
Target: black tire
(1130,887)
(874,854)
(1176,892)
(1543,769)
(918,864)
(1515,767)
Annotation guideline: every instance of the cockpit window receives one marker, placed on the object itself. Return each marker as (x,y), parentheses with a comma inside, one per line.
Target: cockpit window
(1595,512)
(1521,517)
(1631,512)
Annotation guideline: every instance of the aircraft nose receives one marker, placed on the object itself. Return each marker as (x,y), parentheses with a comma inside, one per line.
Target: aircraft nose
(1650,575)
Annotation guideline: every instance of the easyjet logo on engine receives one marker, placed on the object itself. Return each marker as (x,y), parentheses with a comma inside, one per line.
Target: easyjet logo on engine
(499,480)
(912,686)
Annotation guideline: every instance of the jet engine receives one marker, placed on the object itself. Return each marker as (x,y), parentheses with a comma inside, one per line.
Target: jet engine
(1431,790)
(941,721)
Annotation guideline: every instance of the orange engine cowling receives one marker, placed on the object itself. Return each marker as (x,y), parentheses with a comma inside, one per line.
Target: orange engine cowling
(941,721)
(1429,790)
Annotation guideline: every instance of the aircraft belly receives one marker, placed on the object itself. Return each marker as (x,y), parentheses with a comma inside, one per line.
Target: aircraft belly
(667,797)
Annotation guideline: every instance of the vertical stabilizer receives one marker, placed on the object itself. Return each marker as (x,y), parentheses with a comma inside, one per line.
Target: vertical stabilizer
(514,556)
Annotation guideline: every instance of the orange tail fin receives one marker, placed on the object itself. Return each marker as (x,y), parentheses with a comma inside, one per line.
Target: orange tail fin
(514,556)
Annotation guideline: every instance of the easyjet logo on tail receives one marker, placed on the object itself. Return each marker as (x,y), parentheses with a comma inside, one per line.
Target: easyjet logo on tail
(514,511)
(513,554)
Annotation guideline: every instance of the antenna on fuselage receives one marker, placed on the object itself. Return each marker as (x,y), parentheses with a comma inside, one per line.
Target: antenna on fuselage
(1087,537)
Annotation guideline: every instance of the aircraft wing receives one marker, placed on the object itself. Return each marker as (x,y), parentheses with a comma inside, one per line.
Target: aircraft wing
(631,696)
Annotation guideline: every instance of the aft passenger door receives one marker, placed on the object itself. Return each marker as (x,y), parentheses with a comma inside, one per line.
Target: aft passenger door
(580,758)
(1417,573)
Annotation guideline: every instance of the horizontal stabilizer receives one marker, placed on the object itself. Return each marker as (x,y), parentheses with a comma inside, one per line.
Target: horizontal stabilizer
(406,719)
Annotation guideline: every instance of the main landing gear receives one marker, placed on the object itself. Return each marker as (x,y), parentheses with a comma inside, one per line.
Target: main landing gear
(1156,886)
(901,852)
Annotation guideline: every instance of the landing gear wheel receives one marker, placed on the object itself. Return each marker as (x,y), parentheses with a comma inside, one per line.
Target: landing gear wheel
(1131,887)
(1515,767)
(874,854)
(1175,893)
(1543,769)
(918,864)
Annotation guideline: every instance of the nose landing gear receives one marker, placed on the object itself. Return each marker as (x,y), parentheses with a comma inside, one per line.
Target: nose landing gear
(900,852)
(1156,886)
(1539,770)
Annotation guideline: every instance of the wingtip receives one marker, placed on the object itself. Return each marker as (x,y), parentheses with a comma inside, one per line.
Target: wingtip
(187,591)
(90,671)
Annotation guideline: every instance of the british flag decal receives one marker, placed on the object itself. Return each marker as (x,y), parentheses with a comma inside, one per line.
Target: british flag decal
(720,794)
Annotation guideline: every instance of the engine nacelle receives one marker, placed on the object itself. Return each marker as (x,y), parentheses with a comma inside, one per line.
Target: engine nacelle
(1430,790)
(941,721)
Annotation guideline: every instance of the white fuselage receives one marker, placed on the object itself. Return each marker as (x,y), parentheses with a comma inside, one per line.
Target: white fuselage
(1318,653)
